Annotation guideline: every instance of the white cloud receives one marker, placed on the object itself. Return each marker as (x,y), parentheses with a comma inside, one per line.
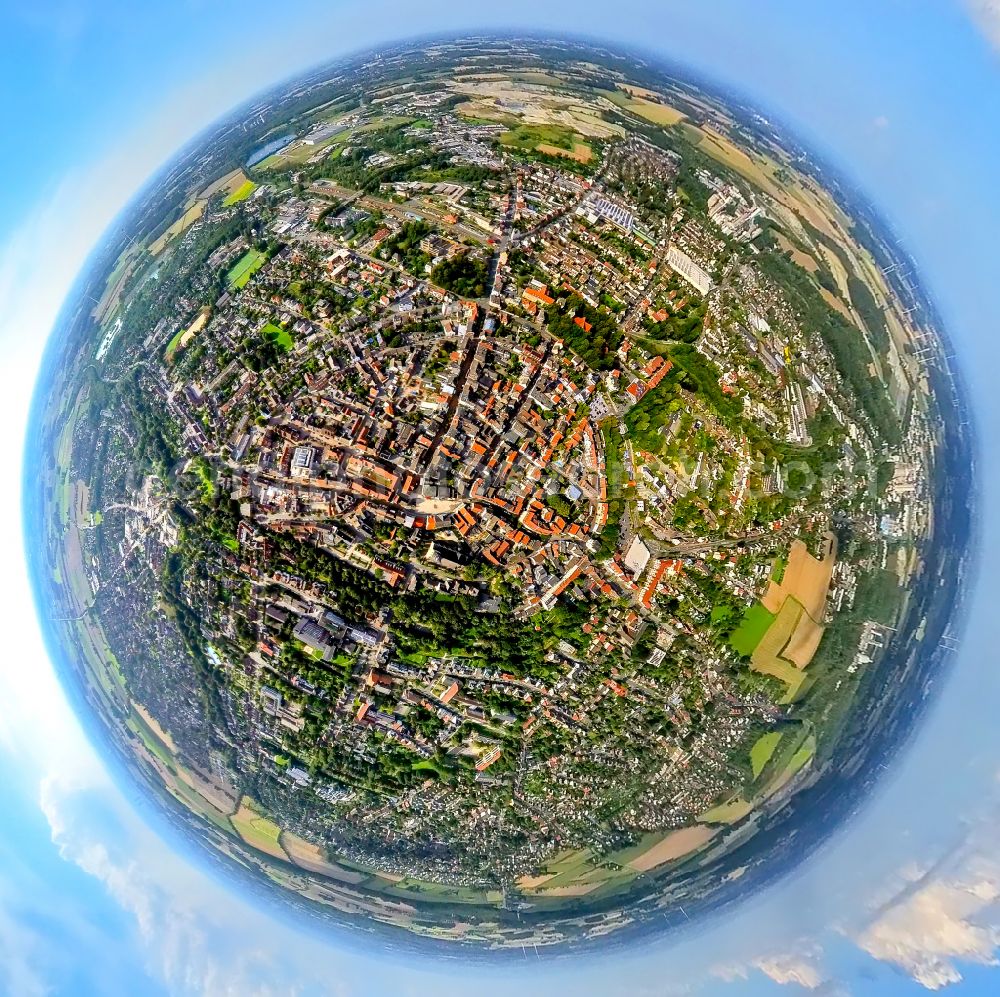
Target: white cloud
(23,955)
(39,262)
(947,917)
(929,919)
(182,919)
(798,969)
(801,966)
(30,298)
(986,14)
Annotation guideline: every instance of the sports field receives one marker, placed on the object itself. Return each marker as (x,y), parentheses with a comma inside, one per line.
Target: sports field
(174,343)
(247,265)
(184,336)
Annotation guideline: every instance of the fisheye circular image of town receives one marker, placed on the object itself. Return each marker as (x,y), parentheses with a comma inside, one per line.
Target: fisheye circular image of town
(499,490)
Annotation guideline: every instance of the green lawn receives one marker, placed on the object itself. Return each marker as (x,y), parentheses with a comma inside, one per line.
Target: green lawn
(751,630)
(803,755)
(528,136)
(778,570)
(202,469)
(791,756)
(174,343)
(240,194)
(256,830)
(275,333)
(692,133)
(760,753)
(247,265)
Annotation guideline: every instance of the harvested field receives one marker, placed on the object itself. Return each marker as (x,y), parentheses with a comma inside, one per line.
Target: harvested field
(634,91)
(651,110)
(151,723)
(834,302)
(804,641)
(799,258)
(577,890)
(768,657)
(311,858)
(778,634)
(675,845)
(192,799)
(806,580)
(799,600)
(534,882)
(581,152)
(192,212)
(210,788)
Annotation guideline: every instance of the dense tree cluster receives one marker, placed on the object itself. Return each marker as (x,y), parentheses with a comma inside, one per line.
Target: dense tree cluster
(463,274)
(406,244)
(592,334)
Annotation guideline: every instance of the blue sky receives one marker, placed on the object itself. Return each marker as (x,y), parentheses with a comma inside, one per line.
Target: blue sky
(904,95)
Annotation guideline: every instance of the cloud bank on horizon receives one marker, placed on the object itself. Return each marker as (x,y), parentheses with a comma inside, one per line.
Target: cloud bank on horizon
(194,936)
(197,938)
(944,916)
(928,921)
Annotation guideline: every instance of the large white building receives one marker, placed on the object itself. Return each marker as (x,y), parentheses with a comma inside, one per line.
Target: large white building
(680,262)
(637,556)
(302,462)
